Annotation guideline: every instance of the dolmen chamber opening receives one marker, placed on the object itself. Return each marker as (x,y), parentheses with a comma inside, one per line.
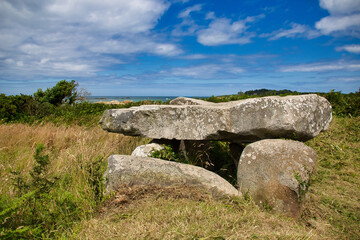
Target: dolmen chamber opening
(273,171)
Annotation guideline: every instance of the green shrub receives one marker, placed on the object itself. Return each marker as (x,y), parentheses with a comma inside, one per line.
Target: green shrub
(214,156)
(41,206)
(344,104)
(27,216)
(62,92)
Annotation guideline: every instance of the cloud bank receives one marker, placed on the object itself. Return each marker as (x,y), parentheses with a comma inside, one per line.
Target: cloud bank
(344,17)
(76,37)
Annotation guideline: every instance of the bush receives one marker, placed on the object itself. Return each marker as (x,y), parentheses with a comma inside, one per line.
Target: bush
(42,204)
(62,92)
(28,215)
(344,104)
(16,107)
(214,156)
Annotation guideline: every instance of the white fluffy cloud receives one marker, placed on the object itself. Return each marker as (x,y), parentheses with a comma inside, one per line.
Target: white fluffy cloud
(331,24)
(344,17)
(187,11)
(223,31)
(70,37)
(354,48)
(345,79)
(296,30)
(340,6)
(187,25)
(205,71)
(322,67)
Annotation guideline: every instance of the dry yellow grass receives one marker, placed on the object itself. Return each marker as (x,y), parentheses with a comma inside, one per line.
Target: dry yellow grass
(186,213)
(70,149)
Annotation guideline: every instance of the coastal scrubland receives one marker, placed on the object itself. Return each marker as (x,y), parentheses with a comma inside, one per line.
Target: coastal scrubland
(51,175)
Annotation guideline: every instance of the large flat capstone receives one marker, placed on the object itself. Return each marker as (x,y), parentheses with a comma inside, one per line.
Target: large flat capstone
(133,170)
(299,117)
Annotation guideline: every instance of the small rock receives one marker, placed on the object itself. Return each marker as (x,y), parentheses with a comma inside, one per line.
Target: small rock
(146,150)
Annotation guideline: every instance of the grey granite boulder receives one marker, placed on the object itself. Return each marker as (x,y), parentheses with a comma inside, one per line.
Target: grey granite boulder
(276,172)
(134,170)
(301,117)
(146,150)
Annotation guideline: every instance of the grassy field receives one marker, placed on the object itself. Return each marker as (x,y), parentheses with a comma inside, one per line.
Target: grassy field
(73,208)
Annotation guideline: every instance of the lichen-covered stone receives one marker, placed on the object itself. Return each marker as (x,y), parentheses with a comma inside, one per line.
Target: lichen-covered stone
(300,117)
(134,170)
(275,173)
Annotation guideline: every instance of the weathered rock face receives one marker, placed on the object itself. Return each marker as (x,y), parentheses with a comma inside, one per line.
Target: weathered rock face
(150,171)
(275,173)
(302,117)
(146,150)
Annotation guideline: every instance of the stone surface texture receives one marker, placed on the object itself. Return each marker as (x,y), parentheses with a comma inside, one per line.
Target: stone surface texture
(275,173)
(301,117)
(134,170)
(146,150)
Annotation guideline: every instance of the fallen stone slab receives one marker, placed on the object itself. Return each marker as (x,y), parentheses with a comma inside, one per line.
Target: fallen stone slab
(146,150)
(299,117)
(275,173)
(134,170)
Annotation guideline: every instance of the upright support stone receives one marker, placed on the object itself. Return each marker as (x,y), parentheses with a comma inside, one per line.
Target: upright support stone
(276,173)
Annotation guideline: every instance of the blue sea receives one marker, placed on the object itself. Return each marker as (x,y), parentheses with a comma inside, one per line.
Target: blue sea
(93,99)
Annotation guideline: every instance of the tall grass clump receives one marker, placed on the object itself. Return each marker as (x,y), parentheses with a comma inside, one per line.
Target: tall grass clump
(46,188)
(333,198)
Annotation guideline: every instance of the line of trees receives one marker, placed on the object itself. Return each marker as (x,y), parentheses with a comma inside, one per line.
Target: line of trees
(24,107)
(62,103)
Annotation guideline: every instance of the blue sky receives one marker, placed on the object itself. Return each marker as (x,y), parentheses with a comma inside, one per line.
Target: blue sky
(180,47)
